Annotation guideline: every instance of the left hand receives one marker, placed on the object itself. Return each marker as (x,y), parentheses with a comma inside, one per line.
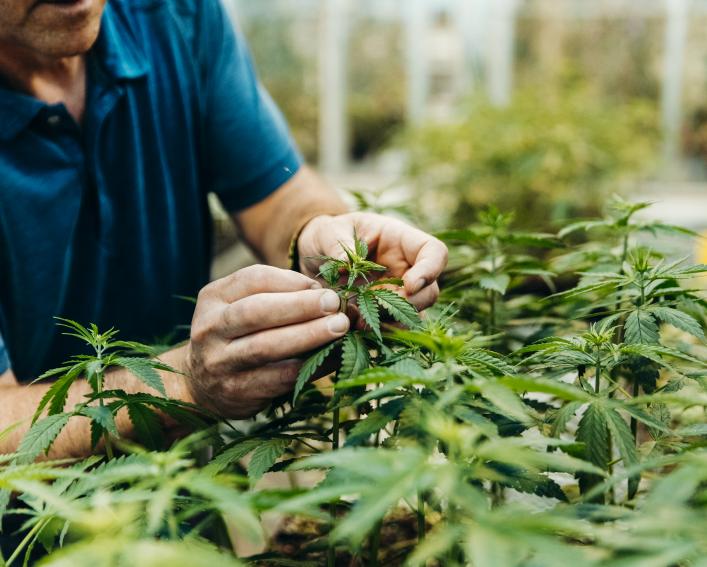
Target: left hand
(408,252)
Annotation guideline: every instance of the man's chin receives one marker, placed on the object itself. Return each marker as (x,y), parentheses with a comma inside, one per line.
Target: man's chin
(65,29)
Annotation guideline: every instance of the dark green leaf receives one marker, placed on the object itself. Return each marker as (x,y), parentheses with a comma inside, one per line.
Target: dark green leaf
(354,356)
(375,421)
(678,319)
(309,367)
(497,282)
(40,437)
(147,426)
(369,311)
(264,457)
(398,307)
(143,369)
(641,328)
(103,416)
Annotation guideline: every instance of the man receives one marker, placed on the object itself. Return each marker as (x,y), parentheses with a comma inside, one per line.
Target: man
(116,120)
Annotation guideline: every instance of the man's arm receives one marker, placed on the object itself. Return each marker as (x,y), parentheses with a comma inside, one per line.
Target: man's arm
(19,402)
(248,333)
(270,225)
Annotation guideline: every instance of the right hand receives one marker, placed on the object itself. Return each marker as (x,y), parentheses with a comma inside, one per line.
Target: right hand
(248,328)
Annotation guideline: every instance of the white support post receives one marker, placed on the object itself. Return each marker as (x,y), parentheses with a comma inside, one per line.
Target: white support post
(333,57)
(501,51)
(417,72)
(473,18)
(673,71)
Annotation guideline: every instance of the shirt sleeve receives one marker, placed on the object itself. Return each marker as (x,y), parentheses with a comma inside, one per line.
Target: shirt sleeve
(4,358)
(248,151)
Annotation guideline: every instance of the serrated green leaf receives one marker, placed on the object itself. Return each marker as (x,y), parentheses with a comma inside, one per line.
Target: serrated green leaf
(40,437)
(55,396)
(593,431)
(497,282)
(621,434)
(556,388)
(264,457)
(375,421)
(233,453)
(368,308)
(143,369)
(310,366)
(505,400)
(641,328)
(678,319)
(354,356)
(147,426)
(103,416)
(330,272)
(398,307)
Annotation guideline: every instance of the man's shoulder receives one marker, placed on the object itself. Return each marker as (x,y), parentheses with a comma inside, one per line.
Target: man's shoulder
(192,17)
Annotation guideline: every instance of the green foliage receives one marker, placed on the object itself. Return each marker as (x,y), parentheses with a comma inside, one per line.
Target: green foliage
(553,156)
(515,424)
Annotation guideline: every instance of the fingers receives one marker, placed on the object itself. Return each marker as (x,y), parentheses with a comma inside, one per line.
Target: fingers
(245,394)
(427,266)
(257,279)
(426,297)
(264,311)
(284,342)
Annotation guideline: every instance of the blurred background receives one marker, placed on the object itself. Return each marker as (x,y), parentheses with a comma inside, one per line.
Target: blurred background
(543,106)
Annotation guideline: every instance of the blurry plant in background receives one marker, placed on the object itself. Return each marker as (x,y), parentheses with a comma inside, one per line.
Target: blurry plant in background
(552,154)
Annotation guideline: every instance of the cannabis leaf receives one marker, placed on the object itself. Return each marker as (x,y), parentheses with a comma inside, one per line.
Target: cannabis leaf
(310,366)
(354,356)
(398,307)
(369,311)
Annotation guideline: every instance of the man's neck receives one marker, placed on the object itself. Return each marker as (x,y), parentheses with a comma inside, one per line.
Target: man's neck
(52,80)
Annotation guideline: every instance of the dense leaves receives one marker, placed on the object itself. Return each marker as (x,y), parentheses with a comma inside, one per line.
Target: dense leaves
(529,419)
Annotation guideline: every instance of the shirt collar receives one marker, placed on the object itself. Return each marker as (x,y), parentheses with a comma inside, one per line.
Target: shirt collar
(116,51)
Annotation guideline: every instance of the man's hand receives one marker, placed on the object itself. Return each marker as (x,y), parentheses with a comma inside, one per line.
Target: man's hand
(246,332)
(409,253)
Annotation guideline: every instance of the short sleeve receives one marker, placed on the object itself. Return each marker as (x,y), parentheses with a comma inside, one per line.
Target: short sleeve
(4,358)
(247,149)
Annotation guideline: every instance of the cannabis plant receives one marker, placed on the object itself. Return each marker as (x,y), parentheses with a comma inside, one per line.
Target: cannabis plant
(549,411)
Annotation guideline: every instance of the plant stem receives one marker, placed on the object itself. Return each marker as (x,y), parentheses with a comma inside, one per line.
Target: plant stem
(336,415)
(375,544)
(421,527)
(634,422)
(101,402)
(25,541)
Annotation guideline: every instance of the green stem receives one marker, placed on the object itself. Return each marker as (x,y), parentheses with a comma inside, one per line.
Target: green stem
(25,541)
(634,422)
(421,526)
(375,544)
(99,387)
(331,554)
(597,376)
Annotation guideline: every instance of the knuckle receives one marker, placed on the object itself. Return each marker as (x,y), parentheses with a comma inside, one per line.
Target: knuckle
(234,316)
(205,293)
(250,353)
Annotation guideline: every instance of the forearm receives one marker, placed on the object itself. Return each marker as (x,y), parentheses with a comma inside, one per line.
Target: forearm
(19,402)
(270,225)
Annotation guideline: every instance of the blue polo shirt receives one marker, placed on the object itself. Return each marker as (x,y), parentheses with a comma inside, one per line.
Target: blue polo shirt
(108,222)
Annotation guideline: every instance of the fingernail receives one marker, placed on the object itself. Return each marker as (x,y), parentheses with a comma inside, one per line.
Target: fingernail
(419,284)
(316,285)
(329,302)
(338,324)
